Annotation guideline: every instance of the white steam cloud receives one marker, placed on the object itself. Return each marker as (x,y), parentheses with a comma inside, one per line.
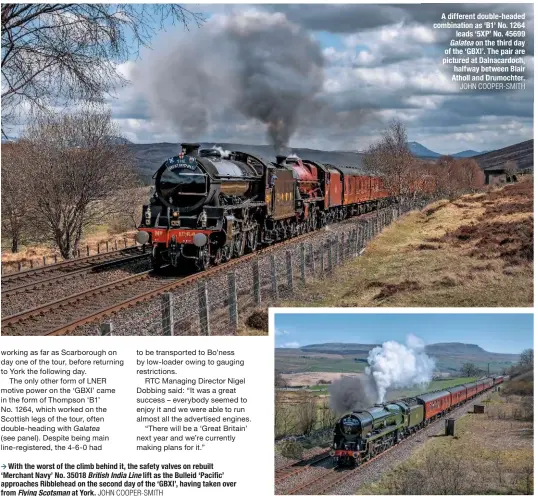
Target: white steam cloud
(394,365)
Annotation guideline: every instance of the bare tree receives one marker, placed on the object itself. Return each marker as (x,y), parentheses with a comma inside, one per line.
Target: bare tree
(526,359)
(468,369)
(391,159)
(473,176)
(77,173)
(15,195)
(307,414)
(67,52)
(280,382)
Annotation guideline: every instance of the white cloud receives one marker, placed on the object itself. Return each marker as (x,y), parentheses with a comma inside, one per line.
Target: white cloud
(292,344)
(281,332)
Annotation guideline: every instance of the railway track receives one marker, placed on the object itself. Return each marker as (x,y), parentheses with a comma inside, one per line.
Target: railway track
(69,313)
(327,480)
(29,280)
(296,467)
(64,315)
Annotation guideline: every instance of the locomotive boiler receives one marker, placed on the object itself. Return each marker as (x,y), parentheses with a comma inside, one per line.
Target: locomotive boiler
(208,208)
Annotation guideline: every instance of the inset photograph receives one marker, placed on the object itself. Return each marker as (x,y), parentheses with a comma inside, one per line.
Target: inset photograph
(369,403)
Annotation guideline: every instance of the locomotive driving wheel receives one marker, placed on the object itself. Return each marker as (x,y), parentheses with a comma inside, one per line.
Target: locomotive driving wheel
(217,257)
(239,245)
(227,252)
(252,240)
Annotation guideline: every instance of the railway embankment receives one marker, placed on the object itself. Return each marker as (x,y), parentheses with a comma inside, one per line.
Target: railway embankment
(476,250)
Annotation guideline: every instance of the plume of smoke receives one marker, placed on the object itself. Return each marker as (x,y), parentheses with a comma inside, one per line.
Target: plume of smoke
(259,63)
(395,365)
(352,393)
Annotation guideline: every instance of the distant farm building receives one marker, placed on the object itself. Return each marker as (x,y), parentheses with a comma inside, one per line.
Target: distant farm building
(507,164)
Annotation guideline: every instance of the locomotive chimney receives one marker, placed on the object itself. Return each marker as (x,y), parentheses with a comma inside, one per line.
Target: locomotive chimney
(280,159)
(190,148)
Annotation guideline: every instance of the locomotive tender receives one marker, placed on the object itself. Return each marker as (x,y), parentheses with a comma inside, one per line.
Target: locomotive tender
(208,208)
(363,434)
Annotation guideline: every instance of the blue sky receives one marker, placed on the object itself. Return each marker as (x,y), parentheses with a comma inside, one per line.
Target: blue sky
(499,333)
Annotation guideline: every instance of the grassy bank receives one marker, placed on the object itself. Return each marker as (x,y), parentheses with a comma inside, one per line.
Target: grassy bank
(473,251)
(491,454)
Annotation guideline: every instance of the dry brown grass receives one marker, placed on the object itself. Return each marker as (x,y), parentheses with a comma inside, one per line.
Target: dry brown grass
(37,252)
(474,251)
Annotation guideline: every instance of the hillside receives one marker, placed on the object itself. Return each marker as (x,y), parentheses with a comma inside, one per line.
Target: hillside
(351,357)
(466,154)
(521,153)
(474,251)
(150,156)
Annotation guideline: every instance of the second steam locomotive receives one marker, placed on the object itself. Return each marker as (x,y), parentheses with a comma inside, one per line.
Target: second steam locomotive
(363,434)
(209,207)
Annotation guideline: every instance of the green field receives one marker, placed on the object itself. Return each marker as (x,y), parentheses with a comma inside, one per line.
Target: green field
(322,389)
(305,363)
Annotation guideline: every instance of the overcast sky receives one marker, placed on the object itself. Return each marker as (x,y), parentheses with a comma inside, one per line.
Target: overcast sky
(379,62)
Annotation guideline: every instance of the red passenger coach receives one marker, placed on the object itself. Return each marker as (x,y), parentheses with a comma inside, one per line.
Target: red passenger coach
(458,395)
(335,189)
(434,403)
(471,390)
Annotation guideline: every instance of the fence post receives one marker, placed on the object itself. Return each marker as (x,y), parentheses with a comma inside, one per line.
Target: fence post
(322,259)
(274,277)
(115,244)
(98,247)
(289,270)
(107,246)
(105,329)
(203,308)
(330,246)
(87,250)
(312,258)
(232,300)
(303,263)
(343,248)
(44,261)
(78,253)
(19,266)
(55,258)
(256,279)
(125,242)
(31,263)
(167,314)
(335,252)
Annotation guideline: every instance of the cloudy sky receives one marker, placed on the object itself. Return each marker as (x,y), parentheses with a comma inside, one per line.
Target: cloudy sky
(377,62)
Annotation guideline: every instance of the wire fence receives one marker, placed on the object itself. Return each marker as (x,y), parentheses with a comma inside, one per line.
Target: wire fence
(218,304)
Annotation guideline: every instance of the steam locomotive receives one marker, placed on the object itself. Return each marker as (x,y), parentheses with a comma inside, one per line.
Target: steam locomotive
(363,434)
(208,208)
